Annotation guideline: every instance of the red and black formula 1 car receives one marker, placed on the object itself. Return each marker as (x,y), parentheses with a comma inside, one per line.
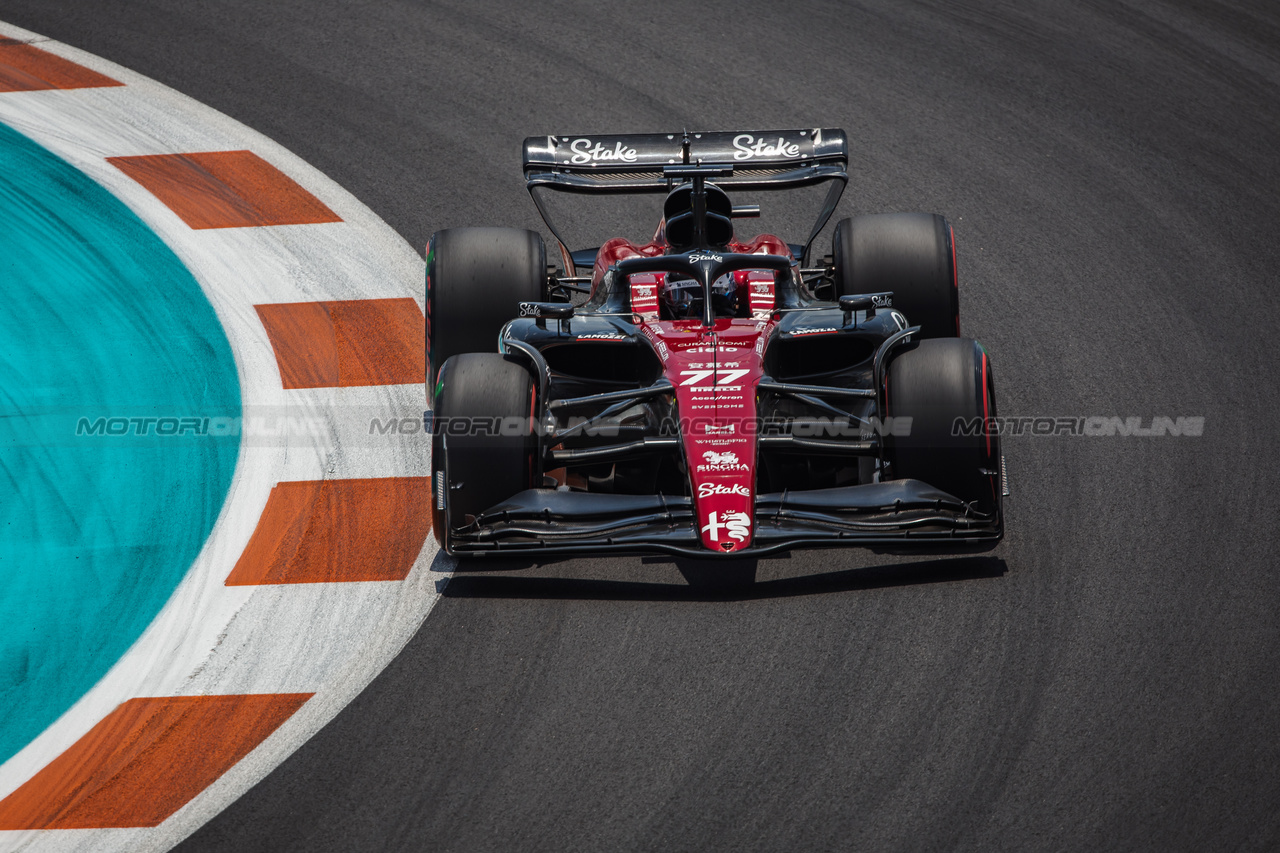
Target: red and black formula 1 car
(713,395)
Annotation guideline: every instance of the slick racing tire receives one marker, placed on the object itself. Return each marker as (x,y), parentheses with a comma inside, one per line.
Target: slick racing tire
(476,280)
(484,446)
(911,254)
(946,387)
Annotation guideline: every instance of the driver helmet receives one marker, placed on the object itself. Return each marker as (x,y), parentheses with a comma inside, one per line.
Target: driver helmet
(680,298)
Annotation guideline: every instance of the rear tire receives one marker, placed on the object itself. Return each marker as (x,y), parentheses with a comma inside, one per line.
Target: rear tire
(937,383)
(484,447)
(476,280)
(911,254)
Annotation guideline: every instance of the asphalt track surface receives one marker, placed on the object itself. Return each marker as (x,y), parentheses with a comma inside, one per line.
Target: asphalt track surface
(1106,679)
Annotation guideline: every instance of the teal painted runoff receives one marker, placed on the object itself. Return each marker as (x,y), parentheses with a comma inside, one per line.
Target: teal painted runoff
(101,329)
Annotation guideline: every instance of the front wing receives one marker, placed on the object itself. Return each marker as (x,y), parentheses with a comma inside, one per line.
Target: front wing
(907,514)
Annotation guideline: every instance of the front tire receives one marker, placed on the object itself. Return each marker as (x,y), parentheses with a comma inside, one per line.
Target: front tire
(911,254)
(939,384)
(484,445)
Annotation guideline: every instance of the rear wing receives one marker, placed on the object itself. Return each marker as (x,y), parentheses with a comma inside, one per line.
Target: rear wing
(633,162)
(638,163)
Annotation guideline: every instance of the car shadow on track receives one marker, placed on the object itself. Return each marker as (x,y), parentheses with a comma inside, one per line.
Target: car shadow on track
(718,581)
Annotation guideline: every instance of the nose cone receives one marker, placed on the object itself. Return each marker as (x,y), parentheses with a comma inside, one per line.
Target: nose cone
(727,530)
(714,372)
(715,384)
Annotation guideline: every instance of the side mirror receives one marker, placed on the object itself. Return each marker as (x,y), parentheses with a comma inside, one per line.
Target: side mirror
(868,302)
(546,310)
(543,311)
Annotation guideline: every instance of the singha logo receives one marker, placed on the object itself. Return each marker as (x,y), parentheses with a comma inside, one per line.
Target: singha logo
(717,461)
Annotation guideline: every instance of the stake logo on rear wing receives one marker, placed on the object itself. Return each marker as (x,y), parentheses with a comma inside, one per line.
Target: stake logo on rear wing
(785,146)
(583,151)
(631,162)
